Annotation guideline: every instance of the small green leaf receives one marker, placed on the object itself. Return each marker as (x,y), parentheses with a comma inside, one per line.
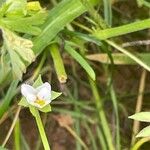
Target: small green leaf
(34,6)
(144,132)
(46,109)
(81,61)
(38,82)
(23,102)
(55,95)
(142,116)
(16,8)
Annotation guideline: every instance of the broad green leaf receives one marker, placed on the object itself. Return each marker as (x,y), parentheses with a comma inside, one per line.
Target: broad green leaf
(81,61)
(46,109)
(55,95)
(19,50)
(144,132)
(119,58)
(142,116)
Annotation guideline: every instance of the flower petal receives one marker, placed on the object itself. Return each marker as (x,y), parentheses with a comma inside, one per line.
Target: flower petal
(28,92)
(44,92)
(27,89)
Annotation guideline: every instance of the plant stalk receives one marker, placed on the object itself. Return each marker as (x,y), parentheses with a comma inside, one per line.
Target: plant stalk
(41,130)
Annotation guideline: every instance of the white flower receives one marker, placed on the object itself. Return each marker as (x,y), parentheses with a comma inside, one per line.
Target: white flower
(39,97)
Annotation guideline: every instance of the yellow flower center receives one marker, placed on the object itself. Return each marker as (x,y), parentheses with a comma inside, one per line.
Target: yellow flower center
(40,102)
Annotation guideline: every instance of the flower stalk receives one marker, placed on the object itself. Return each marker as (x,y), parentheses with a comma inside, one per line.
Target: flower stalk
(41,129)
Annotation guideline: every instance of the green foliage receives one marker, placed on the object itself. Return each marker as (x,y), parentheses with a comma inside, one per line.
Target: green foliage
(8,97)
(18,50)
(145,117)
(27,31)
(81,61)
(142,116)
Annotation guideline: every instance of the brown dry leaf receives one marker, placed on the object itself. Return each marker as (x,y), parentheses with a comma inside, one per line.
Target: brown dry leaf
(64,120)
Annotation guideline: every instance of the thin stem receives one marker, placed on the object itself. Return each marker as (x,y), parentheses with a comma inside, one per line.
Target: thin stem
(41,130)
(12,126)
(129,54)
(136,124)
(71,131)
(102,115)
(140,143)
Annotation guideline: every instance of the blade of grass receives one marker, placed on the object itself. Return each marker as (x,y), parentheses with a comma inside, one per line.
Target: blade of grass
(102,116)
(101,138)
(117,128)
(90,135)
(17,135)
(121,30)
(129,54)
(24,143)
(81,61)
(119,58)
(74,114)
(107,12)
(8,97)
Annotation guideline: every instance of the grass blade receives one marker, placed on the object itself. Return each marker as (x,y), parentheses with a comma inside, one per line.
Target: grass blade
(8,98)
(81,61)
(121,30)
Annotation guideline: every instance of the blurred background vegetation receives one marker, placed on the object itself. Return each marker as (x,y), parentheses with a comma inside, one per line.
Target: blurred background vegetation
(96,52)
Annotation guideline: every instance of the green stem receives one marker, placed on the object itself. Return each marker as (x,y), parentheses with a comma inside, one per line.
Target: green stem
(17,135)
(121,30)
(41,130)
(140,143)
(58,63)
(102,115)
(133,56)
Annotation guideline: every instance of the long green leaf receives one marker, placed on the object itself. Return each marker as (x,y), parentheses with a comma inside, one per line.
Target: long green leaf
(121,30)
(119,58)
(81,61)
